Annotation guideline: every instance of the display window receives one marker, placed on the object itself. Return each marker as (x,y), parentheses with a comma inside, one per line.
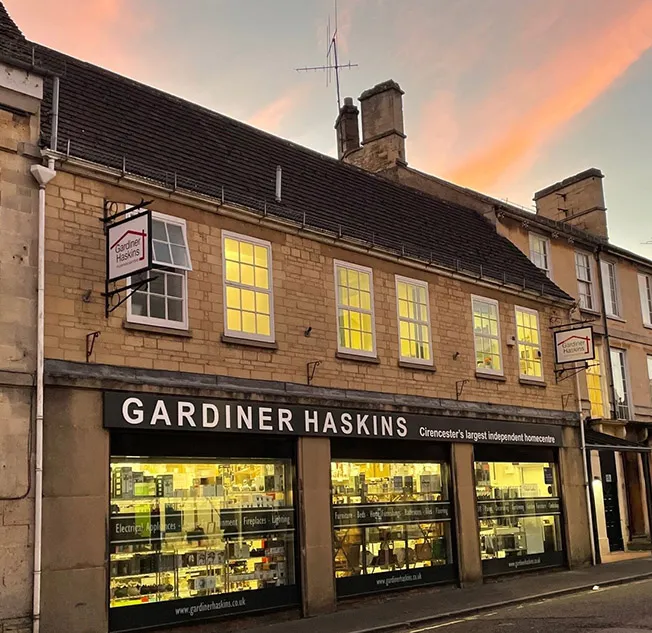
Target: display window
(198,537)
(392,525)
(519,511)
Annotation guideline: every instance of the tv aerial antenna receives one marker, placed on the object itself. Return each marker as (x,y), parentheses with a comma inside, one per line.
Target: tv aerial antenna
(332,66)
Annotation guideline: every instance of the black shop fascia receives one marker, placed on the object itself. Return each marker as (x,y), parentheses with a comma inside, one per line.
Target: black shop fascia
(155,412)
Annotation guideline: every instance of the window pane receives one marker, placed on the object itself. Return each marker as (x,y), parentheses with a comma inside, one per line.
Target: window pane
(179,256)
(158,231)
(249,322)
(233,320)
(175,310)
(364,281)
(248,298)
(162,252)
(231,250)
(157,307)
(403,308)
(247,274)
(175,285)
(232,272)
(402,290)
(263,325)
(232,297)
(175,233)
(365,300)
(246,253)
(262,278)
(262,303)
(157,285)
(139,303)
(260,256)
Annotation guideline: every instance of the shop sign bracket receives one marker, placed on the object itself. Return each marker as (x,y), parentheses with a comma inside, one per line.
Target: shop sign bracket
(561,374)
(90,343)
(459,388)
(129,252)
(311,368)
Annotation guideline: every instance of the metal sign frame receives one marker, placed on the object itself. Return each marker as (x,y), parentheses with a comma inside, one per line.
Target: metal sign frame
(109,221)
(574,329)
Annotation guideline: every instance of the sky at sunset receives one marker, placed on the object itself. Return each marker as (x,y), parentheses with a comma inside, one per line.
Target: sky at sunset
(505,96)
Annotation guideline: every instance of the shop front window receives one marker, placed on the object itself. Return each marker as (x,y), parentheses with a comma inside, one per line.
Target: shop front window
(519,513)
(198,537)
(392,525)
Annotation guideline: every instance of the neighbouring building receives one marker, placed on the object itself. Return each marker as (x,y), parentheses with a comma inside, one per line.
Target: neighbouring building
(21,92)
(567,239)
(327,385)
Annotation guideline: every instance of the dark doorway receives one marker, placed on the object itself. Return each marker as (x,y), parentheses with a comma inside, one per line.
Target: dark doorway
(611,507)
(634,495)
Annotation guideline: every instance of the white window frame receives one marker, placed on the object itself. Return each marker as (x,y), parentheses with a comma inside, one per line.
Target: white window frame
(648,359)
(422,284)
(155,321)
(247,336)
(518,309)
(645,295)
(337,264)
(610,297)
(547,248)
(604,391)
(590,282)
(627,383)
(487,370)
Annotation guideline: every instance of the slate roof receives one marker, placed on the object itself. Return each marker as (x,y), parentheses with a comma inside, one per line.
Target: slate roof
(117,122)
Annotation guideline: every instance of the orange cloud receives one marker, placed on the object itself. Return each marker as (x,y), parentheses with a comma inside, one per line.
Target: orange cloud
(572,79)
(272,116)
(98,31)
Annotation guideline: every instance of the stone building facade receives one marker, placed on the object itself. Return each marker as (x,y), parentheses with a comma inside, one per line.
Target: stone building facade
(568,239)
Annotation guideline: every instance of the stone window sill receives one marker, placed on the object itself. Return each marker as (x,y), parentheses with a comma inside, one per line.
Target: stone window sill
(155,329)
(406,364)
(613,317)
(374,360)
(532,383)
(483,376)
(234,340)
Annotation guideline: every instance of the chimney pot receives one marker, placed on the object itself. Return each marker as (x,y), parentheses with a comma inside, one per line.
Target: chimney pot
(348,133)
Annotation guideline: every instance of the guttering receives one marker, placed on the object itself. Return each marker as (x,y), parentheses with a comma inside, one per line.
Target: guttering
(214,205)
(43,175)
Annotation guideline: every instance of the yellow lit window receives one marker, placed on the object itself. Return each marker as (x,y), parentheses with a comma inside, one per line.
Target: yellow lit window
(247,287)
(529,343)
(355,314)
(413,320)
(594,384)
(486,332)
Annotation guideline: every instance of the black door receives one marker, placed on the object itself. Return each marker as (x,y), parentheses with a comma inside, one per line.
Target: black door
(611,507)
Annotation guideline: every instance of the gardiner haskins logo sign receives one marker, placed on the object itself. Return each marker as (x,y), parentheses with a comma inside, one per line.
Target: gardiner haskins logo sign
(574,345)
(154,412)
(129,246)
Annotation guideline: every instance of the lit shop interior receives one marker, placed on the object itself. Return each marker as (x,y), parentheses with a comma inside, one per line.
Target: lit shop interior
(519,513)
(390,517)
(182,528)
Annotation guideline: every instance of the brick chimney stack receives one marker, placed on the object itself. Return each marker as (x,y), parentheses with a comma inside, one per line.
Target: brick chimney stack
(348,132)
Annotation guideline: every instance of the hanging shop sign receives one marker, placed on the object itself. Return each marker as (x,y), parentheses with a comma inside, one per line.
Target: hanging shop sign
(129,246)
(574,345)
(154,412)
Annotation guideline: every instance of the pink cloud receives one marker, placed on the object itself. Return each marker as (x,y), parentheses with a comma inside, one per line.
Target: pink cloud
(98,31)
(558,89)
(275,114)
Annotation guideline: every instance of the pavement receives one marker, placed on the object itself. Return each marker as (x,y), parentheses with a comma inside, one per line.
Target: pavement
(615,609)
(420,608)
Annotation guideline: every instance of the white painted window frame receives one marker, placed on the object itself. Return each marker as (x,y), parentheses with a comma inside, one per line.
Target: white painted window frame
(607,298)
(183,272)
(645,296)
(485,370)
(518,309)
(421,284)
(337,264)
(590,281)
(628,385)
(546,241)
(247,336)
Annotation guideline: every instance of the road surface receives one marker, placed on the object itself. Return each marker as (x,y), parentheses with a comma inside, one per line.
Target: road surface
(618,609)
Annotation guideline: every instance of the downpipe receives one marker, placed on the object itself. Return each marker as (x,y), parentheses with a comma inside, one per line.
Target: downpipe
(43,175)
